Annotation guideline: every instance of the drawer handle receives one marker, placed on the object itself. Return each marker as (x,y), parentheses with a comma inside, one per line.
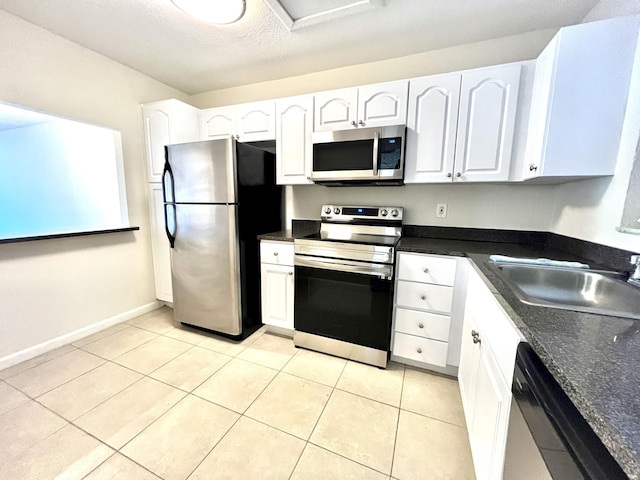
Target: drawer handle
(423,297)
(419,350)
(421,325)
(426,270)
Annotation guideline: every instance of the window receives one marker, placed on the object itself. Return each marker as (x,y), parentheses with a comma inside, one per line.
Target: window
(58,176)
(630,222)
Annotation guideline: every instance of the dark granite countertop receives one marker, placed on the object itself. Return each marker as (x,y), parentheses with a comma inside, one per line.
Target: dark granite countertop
(595,358)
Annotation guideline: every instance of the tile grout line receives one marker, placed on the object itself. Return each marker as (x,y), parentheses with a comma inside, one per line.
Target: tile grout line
(395,439)
(318,420)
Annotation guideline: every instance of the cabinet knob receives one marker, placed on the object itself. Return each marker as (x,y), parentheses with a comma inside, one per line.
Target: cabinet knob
(421,325)
(474,333)
(449,175)
(426,270)
(458,174)
(361,123)
(290,273)
(533,168)
(423,297)
(353,122)
(275,254)
(477,340)
(419,350)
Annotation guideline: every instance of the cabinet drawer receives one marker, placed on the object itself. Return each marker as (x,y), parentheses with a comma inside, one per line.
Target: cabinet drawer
(420,349)
(428,269)
(424,296)
(277,253)
(423,324)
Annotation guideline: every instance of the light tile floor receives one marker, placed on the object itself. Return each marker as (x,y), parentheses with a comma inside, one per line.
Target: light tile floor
(152,399)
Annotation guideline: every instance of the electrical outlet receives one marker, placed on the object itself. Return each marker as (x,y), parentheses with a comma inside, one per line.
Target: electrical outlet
(441,210)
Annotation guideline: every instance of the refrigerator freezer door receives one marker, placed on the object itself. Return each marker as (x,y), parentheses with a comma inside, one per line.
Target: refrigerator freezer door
(203,172)
(205,268)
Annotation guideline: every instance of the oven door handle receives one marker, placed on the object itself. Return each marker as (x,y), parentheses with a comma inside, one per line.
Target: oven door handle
(382,271)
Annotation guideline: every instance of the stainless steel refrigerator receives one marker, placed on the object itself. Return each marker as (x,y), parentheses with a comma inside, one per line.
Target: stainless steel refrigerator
(219,196)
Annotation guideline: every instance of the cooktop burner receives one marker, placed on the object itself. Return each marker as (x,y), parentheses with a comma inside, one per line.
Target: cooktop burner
(355,233)
(360,238)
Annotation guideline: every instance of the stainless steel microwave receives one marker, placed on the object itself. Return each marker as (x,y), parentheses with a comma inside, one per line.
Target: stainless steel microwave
(360,156)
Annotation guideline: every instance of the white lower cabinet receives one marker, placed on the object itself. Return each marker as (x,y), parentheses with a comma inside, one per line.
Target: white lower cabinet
(159,244)
(487,359)
(427,314)
(277,284)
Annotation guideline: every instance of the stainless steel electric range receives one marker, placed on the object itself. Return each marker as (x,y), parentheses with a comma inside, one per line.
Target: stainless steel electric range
(344,283)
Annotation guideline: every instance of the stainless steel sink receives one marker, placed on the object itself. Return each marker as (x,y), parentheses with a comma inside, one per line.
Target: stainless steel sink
(583,290)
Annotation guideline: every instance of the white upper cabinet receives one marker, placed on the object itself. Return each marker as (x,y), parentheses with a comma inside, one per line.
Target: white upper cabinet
(336,110)
(256,121)
(579,99)
(383,104)
(367,106)
(167,122)
(431,128)
(294,125)
(218,122)
(247,122)
(486,123)
(460,126)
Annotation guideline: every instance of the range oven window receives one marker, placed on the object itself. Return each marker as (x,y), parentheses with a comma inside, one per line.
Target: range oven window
(345,306)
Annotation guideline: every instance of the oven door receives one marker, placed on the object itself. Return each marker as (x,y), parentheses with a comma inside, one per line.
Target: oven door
(344,300)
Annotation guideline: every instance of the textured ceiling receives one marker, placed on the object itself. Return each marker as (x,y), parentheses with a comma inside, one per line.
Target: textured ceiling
(155,38)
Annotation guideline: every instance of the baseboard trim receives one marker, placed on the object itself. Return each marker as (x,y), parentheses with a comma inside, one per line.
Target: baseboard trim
(52,344)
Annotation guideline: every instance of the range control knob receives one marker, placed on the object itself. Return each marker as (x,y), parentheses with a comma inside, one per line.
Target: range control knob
(394,213)
(327,210)
(336,211)
(383,212)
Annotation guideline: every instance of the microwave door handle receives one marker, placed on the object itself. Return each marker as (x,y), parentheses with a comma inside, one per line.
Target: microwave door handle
(376,139)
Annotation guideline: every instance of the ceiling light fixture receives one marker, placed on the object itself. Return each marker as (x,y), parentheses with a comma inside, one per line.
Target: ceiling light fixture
(213,11)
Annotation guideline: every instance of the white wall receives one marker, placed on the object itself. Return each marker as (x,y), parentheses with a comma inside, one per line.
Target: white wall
(53,288)
(490,52)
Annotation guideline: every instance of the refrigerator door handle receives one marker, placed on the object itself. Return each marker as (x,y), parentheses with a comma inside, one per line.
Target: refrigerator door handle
(171,235)
(167,174)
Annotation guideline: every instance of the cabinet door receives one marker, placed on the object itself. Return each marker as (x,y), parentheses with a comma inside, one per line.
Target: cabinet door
(159,244)
(383,104)
(294,151)
(335,110)
(167,122)
(468,368)
(489,429)
(218,122)
(488,102)
(539,116)
(431,128)
(277,283)
(256,121)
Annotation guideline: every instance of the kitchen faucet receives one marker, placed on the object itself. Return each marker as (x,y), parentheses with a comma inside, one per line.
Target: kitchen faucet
(634,278)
